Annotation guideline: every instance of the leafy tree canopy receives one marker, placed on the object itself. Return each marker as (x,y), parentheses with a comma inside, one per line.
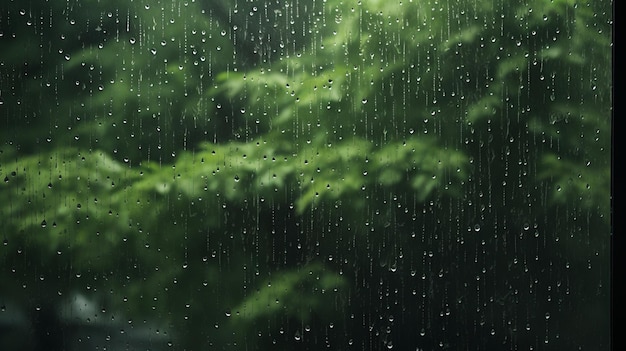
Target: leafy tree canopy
(273,168)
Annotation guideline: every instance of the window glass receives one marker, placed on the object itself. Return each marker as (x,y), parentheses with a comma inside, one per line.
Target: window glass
(285,174)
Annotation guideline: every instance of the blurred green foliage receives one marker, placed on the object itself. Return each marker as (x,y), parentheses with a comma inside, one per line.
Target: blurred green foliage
(349,174)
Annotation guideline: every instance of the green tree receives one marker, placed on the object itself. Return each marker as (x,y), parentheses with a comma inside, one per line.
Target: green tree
(354,174)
